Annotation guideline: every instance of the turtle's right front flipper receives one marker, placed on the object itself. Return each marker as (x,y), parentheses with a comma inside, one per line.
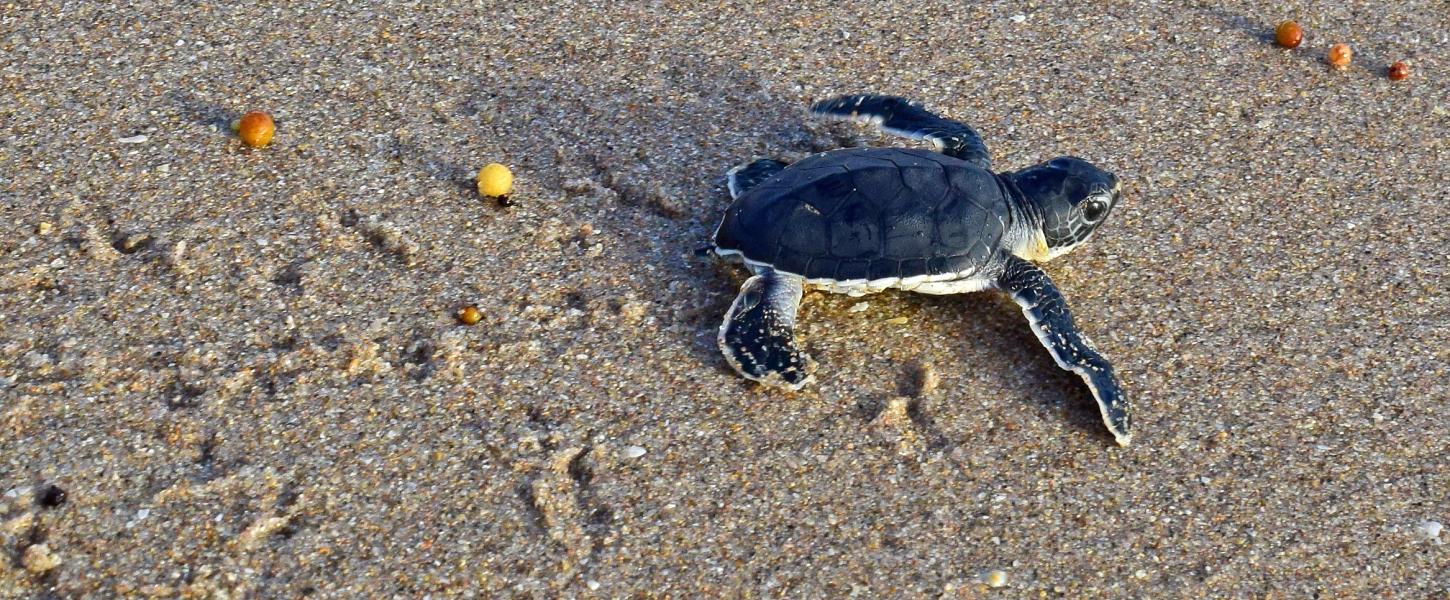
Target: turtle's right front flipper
(1047,311)
(758,335)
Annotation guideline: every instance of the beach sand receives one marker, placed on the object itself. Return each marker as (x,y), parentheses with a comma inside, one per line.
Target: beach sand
(231,372)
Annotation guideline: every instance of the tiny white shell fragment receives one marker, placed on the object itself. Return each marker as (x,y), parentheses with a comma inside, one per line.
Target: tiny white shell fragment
(135,139)
(633,451)
(1431,530)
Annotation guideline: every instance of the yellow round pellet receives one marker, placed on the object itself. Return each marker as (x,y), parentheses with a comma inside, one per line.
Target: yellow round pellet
(495,181)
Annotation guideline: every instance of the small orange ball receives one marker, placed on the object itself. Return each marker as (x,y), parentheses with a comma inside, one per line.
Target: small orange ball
(1289,35)
(256,129)
(1399,71)
(469,315)
(1340,55)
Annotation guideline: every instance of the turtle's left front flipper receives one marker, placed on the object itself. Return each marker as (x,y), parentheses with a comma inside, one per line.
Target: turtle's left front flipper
(903,117)
(1047,310)
(758,335)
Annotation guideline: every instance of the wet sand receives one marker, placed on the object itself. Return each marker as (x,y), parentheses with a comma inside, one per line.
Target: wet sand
(230,372)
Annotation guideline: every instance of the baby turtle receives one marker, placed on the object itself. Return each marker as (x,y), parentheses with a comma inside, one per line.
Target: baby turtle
(862,220)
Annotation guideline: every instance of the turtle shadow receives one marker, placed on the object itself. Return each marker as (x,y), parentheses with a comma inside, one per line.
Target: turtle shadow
(1000,327)
(627,140)
(703,321)
(614,152)
(987,320)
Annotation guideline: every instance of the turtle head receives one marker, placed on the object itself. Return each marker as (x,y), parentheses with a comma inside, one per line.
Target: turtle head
(1072,196)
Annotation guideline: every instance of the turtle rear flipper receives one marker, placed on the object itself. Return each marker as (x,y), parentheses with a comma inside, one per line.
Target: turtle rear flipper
(899,116)
(758,334)
(1047,311)
(748,175)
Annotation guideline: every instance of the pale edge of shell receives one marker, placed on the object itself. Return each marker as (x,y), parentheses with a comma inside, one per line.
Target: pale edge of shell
(961,282)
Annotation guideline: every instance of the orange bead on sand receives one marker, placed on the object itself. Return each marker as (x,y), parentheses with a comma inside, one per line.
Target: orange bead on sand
(1340,55)
(256,129)
(1399,71)
(469,315)
(1289,35)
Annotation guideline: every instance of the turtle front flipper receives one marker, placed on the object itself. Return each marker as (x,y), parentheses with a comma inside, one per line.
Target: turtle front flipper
(758,335)
(899,116)
(748,175)
(1047,311)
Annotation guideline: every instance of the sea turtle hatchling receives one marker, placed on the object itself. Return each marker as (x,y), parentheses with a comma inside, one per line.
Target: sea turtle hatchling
(862,220)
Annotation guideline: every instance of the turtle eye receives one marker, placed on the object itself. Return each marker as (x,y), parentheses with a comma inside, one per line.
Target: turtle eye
(1094,209)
